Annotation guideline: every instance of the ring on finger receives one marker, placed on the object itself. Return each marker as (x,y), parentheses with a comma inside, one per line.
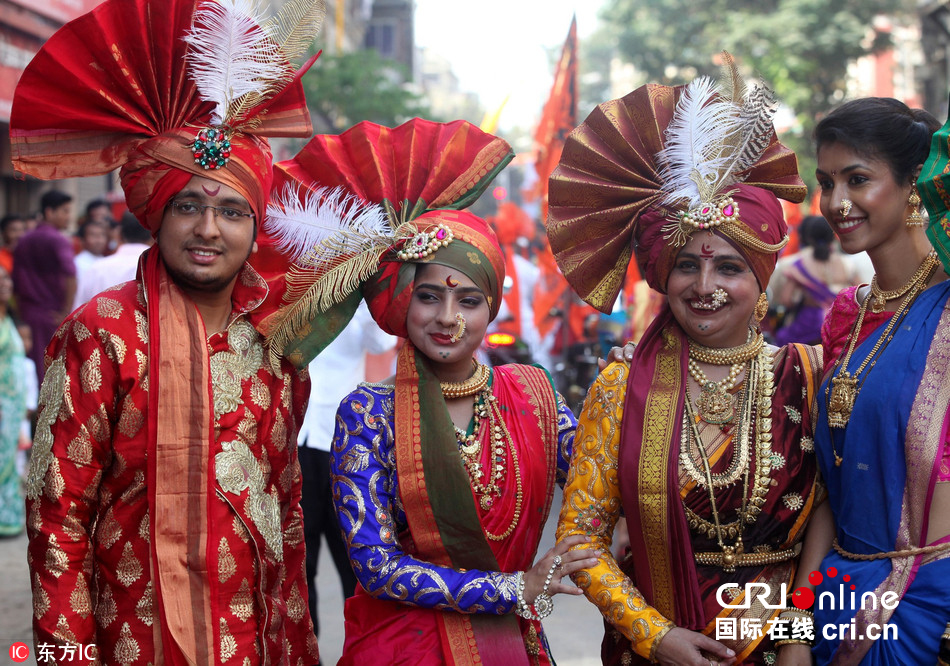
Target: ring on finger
(557,561)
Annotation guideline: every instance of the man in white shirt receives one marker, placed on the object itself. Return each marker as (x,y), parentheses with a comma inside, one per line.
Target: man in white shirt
(333,374)
(118,267)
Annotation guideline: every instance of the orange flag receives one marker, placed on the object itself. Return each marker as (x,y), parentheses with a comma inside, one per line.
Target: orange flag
(558,118)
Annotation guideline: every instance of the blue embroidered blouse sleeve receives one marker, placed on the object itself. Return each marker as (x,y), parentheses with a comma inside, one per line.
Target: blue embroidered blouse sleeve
(566,425)
(366,497)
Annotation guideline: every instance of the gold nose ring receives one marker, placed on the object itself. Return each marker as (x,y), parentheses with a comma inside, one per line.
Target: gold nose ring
(846,205)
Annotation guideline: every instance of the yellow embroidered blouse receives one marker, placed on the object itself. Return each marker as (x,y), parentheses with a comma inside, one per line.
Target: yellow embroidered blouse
(592,506)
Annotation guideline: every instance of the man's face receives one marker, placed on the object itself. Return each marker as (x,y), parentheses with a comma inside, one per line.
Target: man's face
(203,249)
(13,233)
(96,239)
(60,216)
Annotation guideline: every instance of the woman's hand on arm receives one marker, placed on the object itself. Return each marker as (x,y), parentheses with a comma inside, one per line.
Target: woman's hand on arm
(571,561)
(618,355)
(682,647)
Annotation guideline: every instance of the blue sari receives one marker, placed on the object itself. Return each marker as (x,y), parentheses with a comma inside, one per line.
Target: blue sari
(881,495)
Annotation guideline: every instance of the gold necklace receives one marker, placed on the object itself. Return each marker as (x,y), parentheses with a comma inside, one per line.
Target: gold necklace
(842,392)
(730,355)
(471,386)
(880,298)
(715,402)
(689,435)
(488,411)
(762,388)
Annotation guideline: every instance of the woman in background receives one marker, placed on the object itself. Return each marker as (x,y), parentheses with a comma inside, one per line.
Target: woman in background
(808,282)
(12,412)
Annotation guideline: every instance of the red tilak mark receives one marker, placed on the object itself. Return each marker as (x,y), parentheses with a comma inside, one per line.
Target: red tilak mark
(449,282)
(211,192)
(706,253)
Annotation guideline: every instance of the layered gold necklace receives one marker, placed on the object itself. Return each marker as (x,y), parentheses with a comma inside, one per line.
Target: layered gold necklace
(842,391)
(715,402)
(757,400)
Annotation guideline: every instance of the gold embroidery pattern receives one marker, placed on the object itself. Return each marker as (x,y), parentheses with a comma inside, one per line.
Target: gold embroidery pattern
(80,449)
(106,610)
(41,602)
(129,569)
(228,644)
(144,609)
(63,632)
(98,426)
(230,368)
(56,561)
(90,373)
(55,483)
(80,332)
(137,486)
(141,326)
(808,444)
(131,419)
(240,529)
(50,402)
(296,606)
(227,567)
(237,470)
(260,396)
(108,308)
(108,531)
(113,345)
(72,526)
(242,603)
(278,434)
(79,599)
(126,648)
(144,529)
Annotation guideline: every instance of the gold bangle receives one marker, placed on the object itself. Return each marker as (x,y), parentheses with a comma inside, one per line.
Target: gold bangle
(792,641)
(796,612)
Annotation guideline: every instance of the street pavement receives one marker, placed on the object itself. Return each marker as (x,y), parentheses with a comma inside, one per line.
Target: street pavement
(574,629)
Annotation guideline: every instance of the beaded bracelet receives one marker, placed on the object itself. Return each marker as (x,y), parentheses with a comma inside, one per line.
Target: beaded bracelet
(542,607)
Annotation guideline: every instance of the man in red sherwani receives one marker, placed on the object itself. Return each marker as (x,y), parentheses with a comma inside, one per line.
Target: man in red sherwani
(164,491)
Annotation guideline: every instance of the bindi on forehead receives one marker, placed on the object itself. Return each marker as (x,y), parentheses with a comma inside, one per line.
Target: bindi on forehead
(451,283)
(706,252)
(211,190)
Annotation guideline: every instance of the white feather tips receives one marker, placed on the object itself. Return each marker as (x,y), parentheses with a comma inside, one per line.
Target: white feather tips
(317,228)
(231,57)
(696,151)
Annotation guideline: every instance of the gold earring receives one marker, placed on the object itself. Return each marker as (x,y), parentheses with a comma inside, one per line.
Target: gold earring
(915,219)
(761,307)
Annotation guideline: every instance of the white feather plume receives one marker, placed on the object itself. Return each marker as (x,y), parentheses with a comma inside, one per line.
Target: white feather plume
(700,141)
(232,58)
(318,227)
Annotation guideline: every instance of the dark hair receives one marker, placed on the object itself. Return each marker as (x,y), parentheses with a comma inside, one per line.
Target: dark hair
(881,128)
(132,231)
(96,203)
(85,226)
(9,219)
(815,232)
(53,199)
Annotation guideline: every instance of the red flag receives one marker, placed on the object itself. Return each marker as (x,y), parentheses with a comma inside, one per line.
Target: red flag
(558,118)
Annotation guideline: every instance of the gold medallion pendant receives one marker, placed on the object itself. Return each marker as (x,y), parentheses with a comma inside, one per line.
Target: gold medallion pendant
(844,391)
(715,404)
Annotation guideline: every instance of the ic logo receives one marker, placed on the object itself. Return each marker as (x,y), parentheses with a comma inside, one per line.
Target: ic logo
(19,652)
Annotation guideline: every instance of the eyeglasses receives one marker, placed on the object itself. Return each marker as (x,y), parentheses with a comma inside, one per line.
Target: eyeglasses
(192,211)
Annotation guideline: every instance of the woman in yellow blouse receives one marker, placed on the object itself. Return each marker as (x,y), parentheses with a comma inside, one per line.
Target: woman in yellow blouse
(704,443)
